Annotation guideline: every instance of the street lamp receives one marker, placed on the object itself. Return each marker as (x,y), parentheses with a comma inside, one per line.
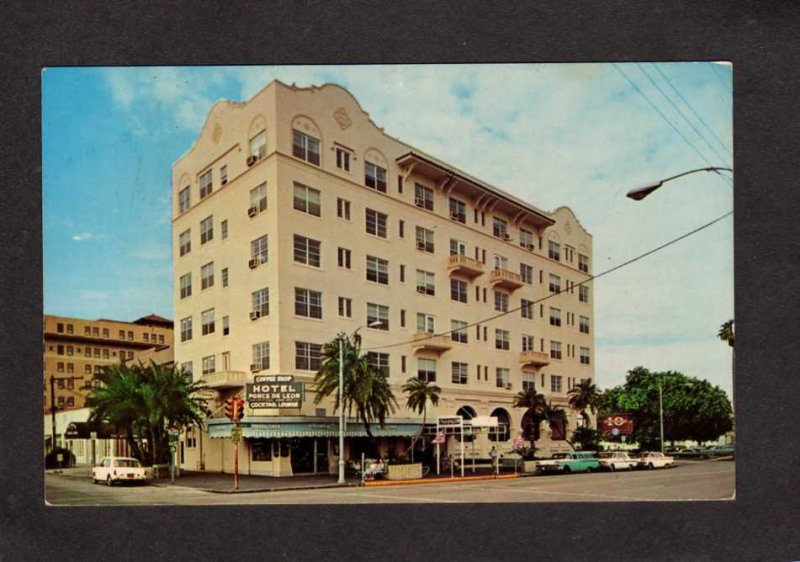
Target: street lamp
(374,324)
(639,193)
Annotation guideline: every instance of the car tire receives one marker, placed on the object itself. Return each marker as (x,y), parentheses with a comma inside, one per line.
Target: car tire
(613,467)
(650,466)
(109,482)
(566,470)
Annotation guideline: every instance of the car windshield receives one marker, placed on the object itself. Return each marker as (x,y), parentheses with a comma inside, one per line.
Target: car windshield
(127,463)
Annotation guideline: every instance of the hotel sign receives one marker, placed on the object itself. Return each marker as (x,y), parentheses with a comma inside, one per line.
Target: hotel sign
(617,424)
(274,391)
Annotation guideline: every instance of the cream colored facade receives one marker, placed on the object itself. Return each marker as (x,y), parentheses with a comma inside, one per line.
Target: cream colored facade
(501,244)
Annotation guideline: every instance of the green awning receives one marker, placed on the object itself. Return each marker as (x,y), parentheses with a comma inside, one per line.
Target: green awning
(221,429)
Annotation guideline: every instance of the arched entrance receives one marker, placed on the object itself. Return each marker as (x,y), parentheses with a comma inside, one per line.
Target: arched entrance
(503,431)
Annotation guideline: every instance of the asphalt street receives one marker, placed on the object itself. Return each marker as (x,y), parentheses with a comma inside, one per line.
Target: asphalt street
(690,480)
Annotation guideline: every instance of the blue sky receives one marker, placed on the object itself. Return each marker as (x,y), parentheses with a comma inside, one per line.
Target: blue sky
(578,135)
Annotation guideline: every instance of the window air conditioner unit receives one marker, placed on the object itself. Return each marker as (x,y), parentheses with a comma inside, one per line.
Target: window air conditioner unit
(506,236)
(420,289)
(508,386)
(255,367)
(252,160)
(223,182)
(454,216)
(529,247)
(253,263)
(420,245)
(252,211)
(419,202)
(255,315)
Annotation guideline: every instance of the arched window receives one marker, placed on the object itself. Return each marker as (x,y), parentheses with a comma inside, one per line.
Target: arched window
(466,412)
(503,430)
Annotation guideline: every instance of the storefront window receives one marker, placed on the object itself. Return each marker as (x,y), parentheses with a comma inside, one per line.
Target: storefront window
(262,450)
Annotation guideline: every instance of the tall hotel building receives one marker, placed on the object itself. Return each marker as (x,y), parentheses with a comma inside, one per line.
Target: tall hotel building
(295,217)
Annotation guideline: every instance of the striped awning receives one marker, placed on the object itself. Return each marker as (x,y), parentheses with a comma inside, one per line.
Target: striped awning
(279,428)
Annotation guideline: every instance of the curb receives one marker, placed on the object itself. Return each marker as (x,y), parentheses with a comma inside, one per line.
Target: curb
(453,480)
(256,490)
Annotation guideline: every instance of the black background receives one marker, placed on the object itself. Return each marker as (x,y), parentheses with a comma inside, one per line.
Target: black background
(761,40)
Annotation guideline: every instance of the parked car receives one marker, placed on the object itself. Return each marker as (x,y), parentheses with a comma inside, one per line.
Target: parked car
(655,460)
(617,460)
(577,461)
(119,469)
(544,466)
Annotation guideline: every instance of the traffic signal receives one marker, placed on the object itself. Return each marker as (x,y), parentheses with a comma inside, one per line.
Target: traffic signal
(230,408)
(238,412)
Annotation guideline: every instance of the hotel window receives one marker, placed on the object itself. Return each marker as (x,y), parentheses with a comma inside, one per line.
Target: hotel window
(106,333)
(375,177)
(554,250)
(258,199)
(209,364)
(60,369)
(585,355)
(122,334)
(458,290)
(343,255)
(258,145)
(423,197)
(500,228)
(459,373)
(306,199)
(259,301)
(426,369)
(224,229)
(526,309)
(186,285)
(207,321)
(60,401)
(555,350)
(70,369)
(584,324)
(343,159)
(146,337)
(458,331)
(70,350)
(305,147)
(87,369)
(528,381)
(207,275)
(555,316)
(343,208)
(555,283)
(184,199)
(401,229)
(223,175)
(345,307)
(425,240)
(526,239)
(307,355)
(185,242)
(569,253)
(457,248)
(500,262)
(501,339)
(186,328)
(426,323)
(583,293)
(98,369)
(426,282)
(261,355)
(307,303)
(458,210)
(399,184)
(528,342)
(70,400)
(160,338)
(105,351)
(87,331)
(205,185)
(376,223)
(402,318)
(402,273)
(375,313)
(501,377)
(526,272)
(187,370)
(259,250)
(96,351)
(583,263)
(556,383)
(226,325)
(379,362)
(377,270)
(224,276)
(207,230)
(88,351)
(96,332)
(306,251)
(500,301)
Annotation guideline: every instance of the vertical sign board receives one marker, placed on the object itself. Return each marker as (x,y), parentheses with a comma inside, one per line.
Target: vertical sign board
(452,421)
(274,391)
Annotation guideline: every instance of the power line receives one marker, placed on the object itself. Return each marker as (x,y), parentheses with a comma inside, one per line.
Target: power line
(685,101)
(664,117)
(560,291)
(681,113)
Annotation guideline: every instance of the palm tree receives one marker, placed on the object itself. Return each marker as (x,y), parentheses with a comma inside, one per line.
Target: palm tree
(585,395)
(419,392)
(534,404)
(365,389)
(143,401)
(726,334)
(556,418)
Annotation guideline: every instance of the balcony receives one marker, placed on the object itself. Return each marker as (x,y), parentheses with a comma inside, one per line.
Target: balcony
(464,266)
(224,379)
(533,359)
(505,279)
(423,341)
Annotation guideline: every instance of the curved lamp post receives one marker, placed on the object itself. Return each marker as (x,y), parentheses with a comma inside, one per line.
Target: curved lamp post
(374,324)
(639,193)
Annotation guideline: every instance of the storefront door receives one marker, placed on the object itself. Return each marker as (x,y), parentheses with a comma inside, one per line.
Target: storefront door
(302,455)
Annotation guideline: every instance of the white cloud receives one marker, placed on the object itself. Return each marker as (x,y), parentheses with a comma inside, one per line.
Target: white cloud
(83,236)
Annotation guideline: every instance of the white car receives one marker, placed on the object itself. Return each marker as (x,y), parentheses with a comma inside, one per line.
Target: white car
(655,460)
(119,469)
(617,460)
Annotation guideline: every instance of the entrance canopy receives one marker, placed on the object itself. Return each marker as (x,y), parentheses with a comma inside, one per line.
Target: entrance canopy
(284,427)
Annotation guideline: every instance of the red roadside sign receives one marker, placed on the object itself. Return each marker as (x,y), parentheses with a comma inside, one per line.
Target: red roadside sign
(617,424)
